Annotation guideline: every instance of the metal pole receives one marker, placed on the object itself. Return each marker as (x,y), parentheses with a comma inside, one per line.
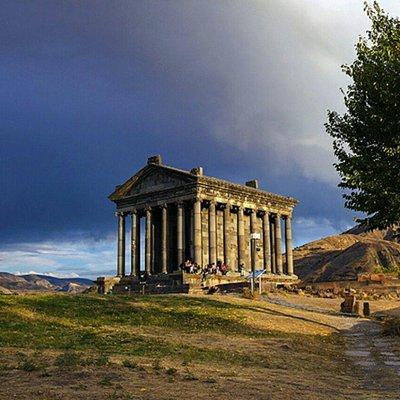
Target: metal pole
(253,264)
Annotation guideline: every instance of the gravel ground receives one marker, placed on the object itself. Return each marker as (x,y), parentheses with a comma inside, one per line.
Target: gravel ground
(376,357)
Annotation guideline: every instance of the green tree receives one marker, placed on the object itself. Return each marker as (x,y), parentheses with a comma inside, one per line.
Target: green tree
(366,138)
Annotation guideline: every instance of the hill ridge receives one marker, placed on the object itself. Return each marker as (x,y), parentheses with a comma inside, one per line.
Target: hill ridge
(41,283)
(344,256)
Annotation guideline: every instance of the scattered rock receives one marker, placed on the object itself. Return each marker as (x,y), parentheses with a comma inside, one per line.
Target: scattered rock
(366,309)
(4,290)
(347,305)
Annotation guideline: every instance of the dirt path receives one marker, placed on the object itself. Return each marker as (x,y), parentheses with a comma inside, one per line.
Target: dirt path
(376,357)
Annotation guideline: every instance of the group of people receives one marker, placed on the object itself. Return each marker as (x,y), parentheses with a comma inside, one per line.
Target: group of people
(191,267)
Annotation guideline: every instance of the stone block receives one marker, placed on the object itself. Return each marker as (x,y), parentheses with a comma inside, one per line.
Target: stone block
(347,305)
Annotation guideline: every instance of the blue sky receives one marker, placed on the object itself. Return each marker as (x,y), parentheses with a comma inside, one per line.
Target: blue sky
(89,89)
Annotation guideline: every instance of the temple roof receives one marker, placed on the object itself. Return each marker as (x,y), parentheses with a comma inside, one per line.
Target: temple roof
(195,176)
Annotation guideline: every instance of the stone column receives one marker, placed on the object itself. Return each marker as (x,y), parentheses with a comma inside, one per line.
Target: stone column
(278,249)
(133,242)
(184,255)
(272,239)
(288,245)
(164,231)
(179,233)
(147,261)
(253,216)
(227,211)
(138,242)
(241,238)
(121,244)
(153,244)
(266,243)
(191,231)
(212,233)
(197,231)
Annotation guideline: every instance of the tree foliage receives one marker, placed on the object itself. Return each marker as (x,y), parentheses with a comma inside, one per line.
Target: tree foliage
(366,138)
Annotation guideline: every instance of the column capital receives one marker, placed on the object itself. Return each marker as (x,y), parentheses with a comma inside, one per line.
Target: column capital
(225,207)
(266,215)
(147,209)
(205,202)
(274,215)
(133,212)
(164,205)
(179,203)
(120,214)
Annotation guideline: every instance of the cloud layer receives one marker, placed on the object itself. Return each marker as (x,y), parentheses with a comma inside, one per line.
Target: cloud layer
(63,259)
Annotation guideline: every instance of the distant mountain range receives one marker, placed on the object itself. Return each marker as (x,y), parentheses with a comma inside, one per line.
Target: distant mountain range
(344,256)
(10,283)
(334,258)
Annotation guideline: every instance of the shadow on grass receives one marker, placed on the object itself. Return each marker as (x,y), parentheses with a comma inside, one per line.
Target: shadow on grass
(104,325)
(176,312)
(289,315)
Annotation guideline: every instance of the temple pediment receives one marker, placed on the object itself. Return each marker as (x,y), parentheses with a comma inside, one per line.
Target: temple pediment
(153,179)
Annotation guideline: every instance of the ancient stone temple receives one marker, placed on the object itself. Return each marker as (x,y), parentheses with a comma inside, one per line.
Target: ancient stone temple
(187,215)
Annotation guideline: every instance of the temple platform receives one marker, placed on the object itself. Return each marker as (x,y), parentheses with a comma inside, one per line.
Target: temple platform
(182,282)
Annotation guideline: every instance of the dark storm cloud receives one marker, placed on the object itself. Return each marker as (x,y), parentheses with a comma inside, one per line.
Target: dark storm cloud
(89,89)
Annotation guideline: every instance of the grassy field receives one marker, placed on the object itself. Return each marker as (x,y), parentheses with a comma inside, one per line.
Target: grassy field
(166,347)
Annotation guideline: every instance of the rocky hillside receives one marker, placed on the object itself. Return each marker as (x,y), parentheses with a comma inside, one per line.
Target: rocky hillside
(10,283)
(344,256)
